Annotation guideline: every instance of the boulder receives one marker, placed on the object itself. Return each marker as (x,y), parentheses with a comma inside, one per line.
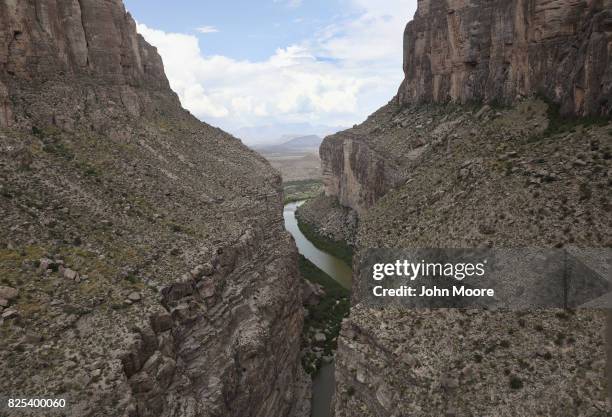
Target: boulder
(46,263)
(320,337)
(70,274)
(134,296)
(311,293)
(206,288)
(8,293)
(208,269)
(10,313)
(161,321)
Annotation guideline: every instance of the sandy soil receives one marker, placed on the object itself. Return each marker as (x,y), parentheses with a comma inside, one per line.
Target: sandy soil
(296,166)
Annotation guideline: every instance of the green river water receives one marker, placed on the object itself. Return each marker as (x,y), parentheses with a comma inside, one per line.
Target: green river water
(323,385)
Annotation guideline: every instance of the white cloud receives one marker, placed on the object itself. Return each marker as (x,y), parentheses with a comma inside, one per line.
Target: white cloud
(373,33)
(337,77)
(207,29)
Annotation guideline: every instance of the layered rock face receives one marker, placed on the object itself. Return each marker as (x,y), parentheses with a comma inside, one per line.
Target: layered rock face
(145,268)
(362,164)
(494,51)
(352,172)
(54,49)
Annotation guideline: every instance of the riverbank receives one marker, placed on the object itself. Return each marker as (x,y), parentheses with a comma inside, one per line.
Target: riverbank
(337,248)
(329,226)
(333,266)
(326,295)
(323,318)
(301,190)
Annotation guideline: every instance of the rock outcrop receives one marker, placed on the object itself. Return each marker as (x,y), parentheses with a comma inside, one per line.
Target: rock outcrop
(362,164)
(144,252)
(352,172)
(51,51)
(329,219)
(494,51)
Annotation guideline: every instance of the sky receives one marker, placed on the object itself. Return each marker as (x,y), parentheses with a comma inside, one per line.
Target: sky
(283,63)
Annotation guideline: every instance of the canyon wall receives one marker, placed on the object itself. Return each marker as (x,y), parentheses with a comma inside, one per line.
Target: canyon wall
(145,267)
(352,171)
(495,51)
(437,167)
(362,164)
(482,178)
(468,52)
(74,62)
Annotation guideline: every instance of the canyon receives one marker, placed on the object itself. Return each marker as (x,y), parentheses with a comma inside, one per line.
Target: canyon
(145,267)
(499,136)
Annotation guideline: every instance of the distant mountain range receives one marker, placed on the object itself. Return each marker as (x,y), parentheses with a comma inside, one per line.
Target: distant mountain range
(311,141)
(260,136)
(296,144)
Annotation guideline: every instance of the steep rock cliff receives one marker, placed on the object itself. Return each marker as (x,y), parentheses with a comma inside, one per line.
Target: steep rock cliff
(494,51)
(353,172)
(75,62)
(145,268)
(362,164)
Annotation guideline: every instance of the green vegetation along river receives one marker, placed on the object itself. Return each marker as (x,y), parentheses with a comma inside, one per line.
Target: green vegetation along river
(333,266)
(323,384)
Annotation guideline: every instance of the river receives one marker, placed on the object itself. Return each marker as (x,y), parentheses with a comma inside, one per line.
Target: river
(324,384)
(332,266)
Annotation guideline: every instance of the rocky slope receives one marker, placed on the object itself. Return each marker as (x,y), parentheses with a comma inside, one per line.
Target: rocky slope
(497,178)
(144,266)
(432,170)
(329,219)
